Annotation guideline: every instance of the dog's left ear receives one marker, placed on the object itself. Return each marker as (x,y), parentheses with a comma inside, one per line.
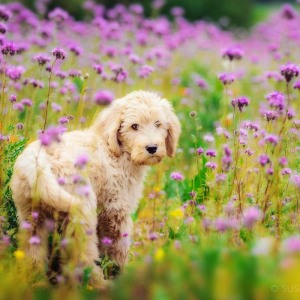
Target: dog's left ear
(108,124)
(174,129)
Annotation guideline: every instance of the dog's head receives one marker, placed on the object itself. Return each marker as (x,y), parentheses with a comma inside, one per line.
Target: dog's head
(141,124)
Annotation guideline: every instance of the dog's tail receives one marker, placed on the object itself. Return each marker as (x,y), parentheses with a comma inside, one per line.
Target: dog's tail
(49,191)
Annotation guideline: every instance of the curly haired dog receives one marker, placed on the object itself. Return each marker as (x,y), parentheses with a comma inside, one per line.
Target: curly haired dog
(132,133)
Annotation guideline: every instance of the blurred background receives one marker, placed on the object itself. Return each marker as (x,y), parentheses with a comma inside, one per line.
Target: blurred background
(232,13)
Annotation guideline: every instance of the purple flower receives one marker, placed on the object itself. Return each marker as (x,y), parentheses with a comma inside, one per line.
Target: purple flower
(211,165)
(81,161)
(221,224)
(136,9)
(103,97)
(61,181)
(19,126)
(35,214)
(288,12)
(84,190)
(4,13)
(75,49)
(251,216)
(52,134)
(75,73)
(25,225)
(289,71)
(292,244)
(63,120)
(270,171)
(264,159)
(145,71)
(283,161)
(286,171)
(34,240)
(58,53)
(297,85)
(199,151)
(18,106)
(232,53)
(157,4)
(9,49)
(249,151)
(98,68)
(240,102)
(272,139)
(295,179)
(41,59)
(26,102)
(58,15)
(291,114)
(106,241)
(15,73)
(226,79)
(201,207)
(12,98)
(153,236)
(270,115)
(177,11)
(211,153)
(177,176)
(221,177)
(3,28)
(276,100)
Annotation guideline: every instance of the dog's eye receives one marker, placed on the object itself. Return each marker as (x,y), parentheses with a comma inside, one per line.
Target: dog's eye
(135,126)
(157,124)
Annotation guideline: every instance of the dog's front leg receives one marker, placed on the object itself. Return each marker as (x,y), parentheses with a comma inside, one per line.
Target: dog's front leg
(116,225)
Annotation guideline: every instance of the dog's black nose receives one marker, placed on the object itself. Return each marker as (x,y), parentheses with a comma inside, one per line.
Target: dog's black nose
(151,149)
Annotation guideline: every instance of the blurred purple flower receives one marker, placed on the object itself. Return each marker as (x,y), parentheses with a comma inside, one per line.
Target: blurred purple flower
(41,59)
(106,241)
(291,244)
(52,134)
(251,215)
(211,165)
(272,139)
(295,179)
(103,97)
(232,53)
(177,176)
(58,53)
(81,161)
(226,79)
(211,153)
(276,100)
(240,102)
(289,71)
(34,240)
(264,159)
(199,151)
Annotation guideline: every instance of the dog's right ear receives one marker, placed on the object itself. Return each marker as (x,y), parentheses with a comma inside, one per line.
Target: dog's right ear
(108,124)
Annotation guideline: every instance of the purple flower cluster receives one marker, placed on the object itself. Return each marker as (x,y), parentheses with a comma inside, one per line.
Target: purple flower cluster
(240,103)
(177,176)
(289,71)
(50,135)
(233,53)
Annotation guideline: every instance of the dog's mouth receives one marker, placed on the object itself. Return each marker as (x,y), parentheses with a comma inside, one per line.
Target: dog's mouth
(150,160)
(153,159)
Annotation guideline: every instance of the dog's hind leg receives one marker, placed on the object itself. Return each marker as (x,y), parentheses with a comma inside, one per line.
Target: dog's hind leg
(116,225)
(81,230)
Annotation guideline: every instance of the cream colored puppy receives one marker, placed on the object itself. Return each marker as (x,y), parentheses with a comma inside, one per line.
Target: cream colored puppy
(131,134)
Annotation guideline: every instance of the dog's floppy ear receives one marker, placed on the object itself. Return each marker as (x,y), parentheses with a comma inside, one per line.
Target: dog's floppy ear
(174,129)
(108,124)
